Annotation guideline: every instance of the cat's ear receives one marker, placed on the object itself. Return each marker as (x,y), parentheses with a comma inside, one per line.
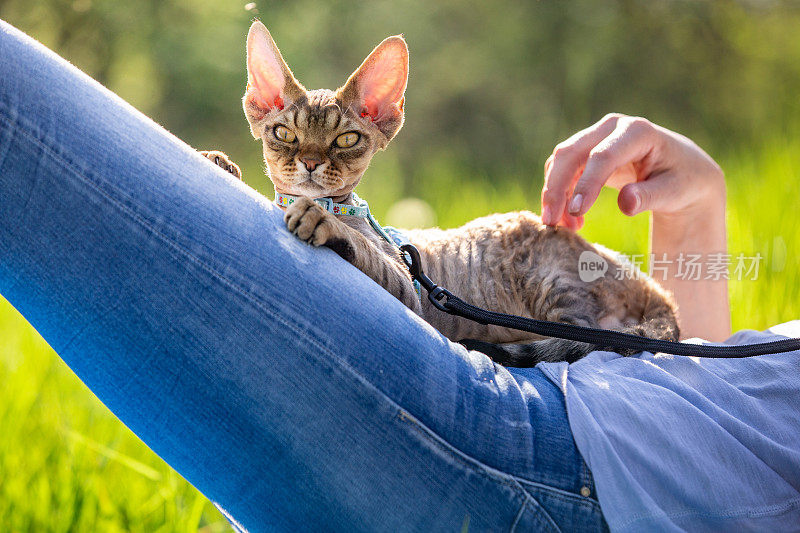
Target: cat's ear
(270,83)
(375,90)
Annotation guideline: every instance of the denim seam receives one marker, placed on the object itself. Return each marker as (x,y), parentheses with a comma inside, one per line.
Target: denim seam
(543,519)
(586,476)
(479,467)
(562,494)
(587,479)
(519,515)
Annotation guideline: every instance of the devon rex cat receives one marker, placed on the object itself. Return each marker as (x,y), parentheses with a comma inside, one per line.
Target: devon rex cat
(318,143)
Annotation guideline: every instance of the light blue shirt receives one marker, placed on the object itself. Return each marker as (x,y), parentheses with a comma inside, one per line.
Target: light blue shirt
(684,443)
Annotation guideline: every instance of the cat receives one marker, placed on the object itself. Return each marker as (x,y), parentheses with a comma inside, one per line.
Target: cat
(318,143)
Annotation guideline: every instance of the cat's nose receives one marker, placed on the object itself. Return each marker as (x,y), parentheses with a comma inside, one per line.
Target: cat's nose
(311,164)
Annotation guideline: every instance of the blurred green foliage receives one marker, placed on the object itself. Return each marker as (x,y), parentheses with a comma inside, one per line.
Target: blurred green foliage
(494,86)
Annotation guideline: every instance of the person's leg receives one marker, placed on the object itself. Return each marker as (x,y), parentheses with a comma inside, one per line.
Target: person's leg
(275,377)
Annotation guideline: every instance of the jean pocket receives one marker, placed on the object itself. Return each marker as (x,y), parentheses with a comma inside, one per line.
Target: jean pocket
(571,512)
(523,512)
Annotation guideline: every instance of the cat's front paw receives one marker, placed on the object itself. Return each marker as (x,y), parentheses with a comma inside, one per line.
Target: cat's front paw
(222,161)
(311,223)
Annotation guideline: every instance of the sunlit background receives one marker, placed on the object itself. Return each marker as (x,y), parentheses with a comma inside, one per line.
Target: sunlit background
(493,87)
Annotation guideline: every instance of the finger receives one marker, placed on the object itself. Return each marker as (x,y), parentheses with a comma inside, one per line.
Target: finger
(563,168)
(565,165)
(630,141)
(659,192)
(571,222)
(554,200)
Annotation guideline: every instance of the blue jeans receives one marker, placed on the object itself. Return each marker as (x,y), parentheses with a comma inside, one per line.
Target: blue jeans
(281,382)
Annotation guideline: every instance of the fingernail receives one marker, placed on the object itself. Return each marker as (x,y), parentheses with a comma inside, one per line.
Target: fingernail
(637,202)
(546,215)
(575,204)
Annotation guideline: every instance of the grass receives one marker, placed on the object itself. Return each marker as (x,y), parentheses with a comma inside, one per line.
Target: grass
(67,464)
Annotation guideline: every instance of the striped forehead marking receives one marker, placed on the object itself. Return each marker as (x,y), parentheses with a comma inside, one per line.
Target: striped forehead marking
(319,110)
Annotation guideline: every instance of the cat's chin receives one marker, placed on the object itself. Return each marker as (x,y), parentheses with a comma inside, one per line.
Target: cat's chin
(313,189)
(306,187)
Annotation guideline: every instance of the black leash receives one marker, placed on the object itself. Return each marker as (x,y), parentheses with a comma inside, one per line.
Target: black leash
(446,301)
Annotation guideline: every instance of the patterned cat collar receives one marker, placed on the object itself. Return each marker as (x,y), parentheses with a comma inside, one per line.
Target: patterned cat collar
(360,210)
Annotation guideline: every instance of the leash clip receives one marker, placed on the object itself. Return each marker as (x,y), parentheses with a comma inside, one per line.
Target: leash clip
(435,293)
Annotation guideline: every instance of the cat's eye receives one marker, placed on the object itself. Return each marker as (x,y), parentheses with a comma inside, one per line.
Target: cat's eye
(282,133)
(347,140)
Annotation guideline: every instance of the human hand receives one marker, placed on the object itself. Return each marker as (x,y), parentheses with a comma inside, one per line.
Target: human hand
(653,168)
(657,170)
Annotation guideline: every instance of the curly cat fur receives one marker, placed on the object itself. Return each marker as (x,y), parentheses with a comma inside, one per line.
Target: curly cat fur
(505,262)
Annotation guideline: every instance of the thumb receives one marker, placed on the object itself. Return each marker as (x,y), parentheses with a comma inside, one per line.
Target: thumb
(657,193)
